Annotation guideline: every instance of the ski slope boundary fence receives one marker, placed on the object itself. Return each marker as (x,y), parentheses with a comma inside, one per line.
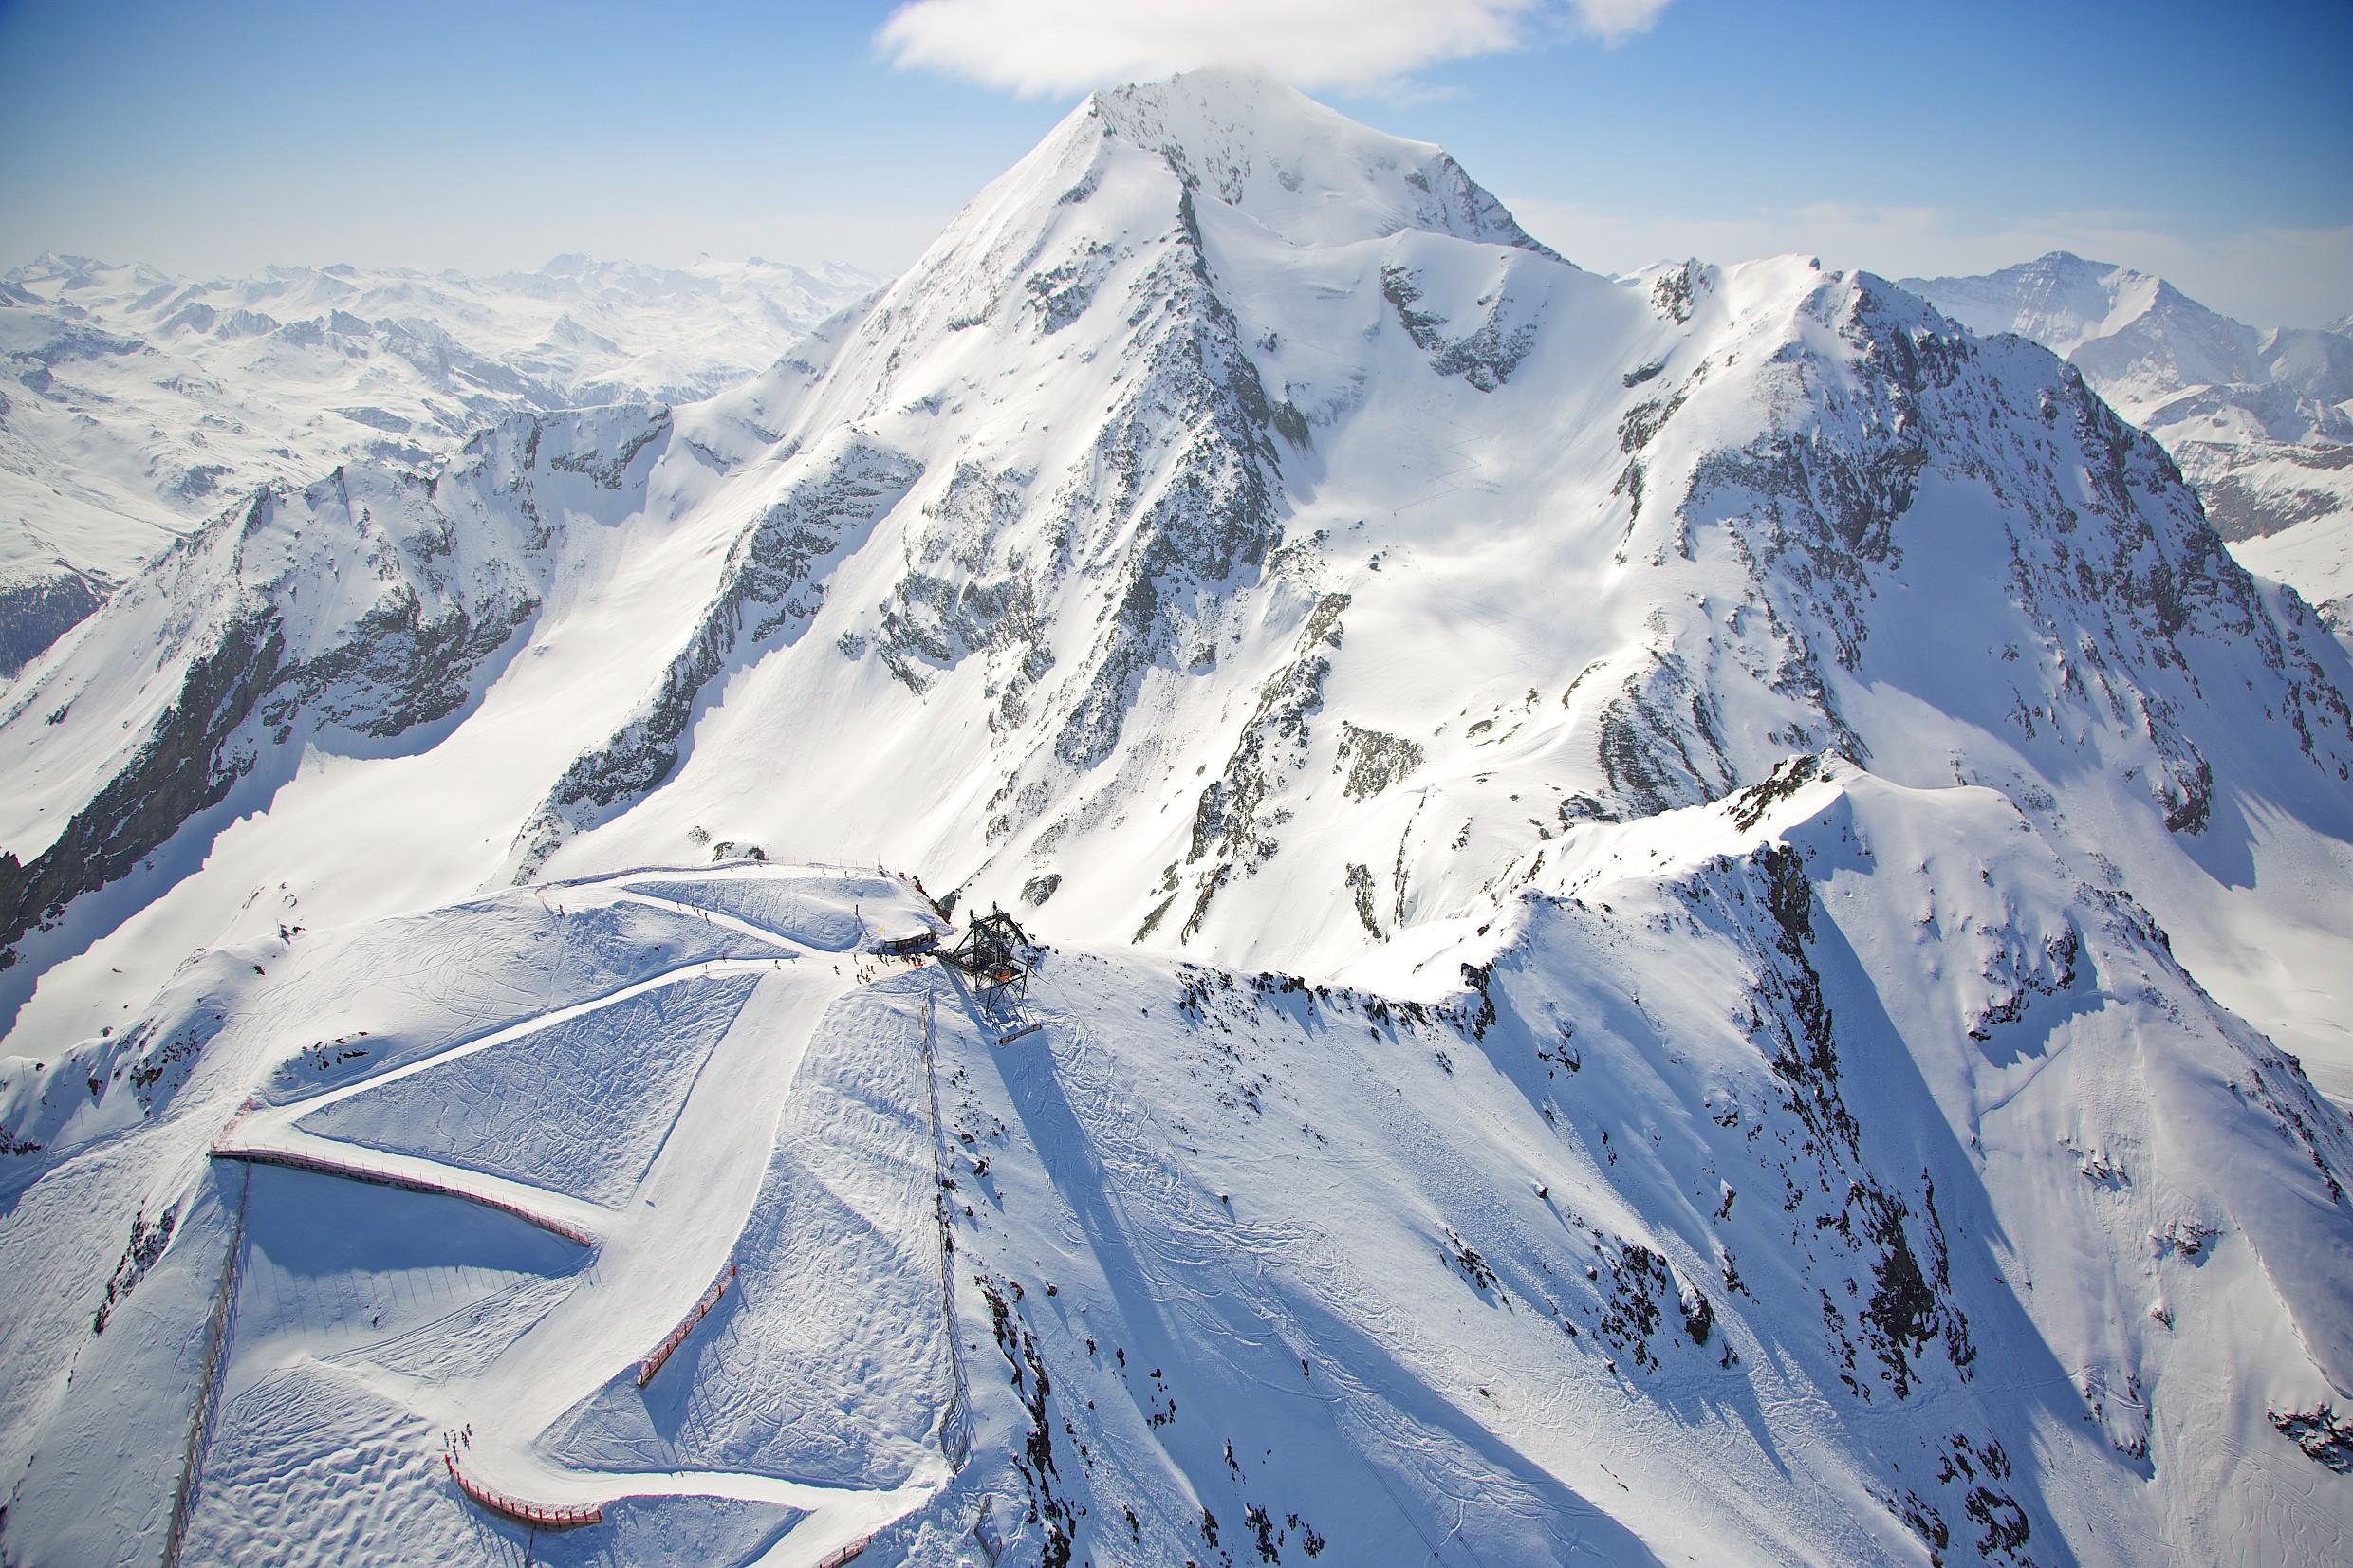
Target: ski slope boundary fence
(325,1166)
(676,1337)
(538,1515)
(956,1422)
(846,1553)
(208,1383)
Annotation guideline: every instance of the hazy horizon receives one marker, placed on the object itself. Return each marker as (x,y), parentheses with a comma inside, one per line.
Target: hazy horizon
(1935,141)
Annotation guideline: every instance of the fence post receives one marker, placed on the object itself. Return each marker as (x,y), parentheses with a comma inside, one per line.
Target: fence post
(208,1385)
(956,1424)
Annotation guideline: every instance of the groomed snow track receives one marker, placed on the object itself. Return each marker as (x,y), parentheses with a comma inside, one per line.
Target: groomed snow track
(261,1133)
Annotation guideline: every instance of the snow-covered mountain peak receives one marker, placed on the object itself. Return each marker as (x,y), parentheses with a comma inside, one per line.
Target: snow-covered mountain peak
(2139,336)
(2060,300)
(1209,162)
(1724,735)
(2260,421)
(1303,171)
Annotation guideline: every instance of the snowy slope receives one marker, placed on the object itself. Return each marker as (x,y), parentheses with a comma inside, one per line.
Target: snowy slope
(360,1318)
(1136,521)
(2260,421)
(1735,1213)
(142,404)
(2316,557)
(1236,544)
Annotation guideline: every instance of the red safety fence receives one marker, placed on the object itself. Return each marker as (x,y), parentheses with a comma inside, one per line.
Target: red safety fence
(676,1337)
(405,1183)
(840,1555)
(540,1515)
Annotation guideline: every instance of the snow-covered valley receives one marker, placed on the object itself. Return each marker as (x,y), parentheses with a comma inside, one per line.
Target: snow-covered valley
(1691,917)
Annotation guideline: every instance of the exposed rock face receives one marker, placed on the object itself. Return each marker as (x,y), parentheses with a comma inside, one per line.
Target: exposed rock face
(2244,505)
(187,763)
(370,604)
(1233,823)
(36,610)
(1375,762)
(1484,357)
(2260,421)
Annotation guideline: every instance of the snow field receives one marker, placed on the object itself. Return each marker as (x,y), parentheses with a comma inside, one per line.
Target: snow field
(1358,1273)
(419,1314)
(824,1363)
(605,1088)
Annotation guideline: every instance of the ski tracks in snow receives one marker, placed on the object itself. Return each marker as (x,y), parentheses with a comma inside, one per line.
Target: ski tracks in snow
(646,1260)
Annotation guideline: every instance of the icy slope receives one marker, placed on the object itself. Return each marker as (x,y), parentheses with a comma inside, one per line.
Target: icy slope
(2259,421)
(139,404)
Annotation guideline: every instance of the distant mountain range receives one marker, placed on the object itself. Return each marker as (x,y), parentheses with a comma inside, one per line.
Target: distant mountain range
(134,404)
(2260,420)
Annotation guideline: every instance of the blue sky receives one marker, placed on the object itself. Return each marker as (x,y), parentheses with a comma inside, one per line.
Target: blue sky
(2209,143)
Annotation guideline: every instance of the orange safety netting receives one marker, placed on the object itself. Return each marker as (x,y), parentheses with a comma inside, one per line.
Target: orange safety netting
(676,1337)
(224,1149)
(541,1514)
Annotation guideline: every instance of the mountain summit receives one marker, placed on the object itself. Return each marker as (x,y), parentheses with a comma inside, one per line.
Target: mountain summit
(1695,916)
(1297,167)
(2260,421)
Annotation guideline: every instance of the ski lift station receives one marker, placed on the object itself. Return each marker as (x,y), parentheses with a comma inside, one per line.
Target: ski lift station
(995,952)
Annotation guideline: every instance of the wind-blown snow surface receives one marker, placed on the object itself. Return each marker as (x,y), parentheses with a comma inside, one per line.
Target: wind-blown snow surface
(1235,543)
(139,404)
(2261,422)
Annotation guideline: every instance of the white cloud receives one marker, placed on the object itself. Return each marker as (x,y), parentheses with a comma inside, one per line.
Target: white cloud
(1042,46)
(1614,21)
(2266,276)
